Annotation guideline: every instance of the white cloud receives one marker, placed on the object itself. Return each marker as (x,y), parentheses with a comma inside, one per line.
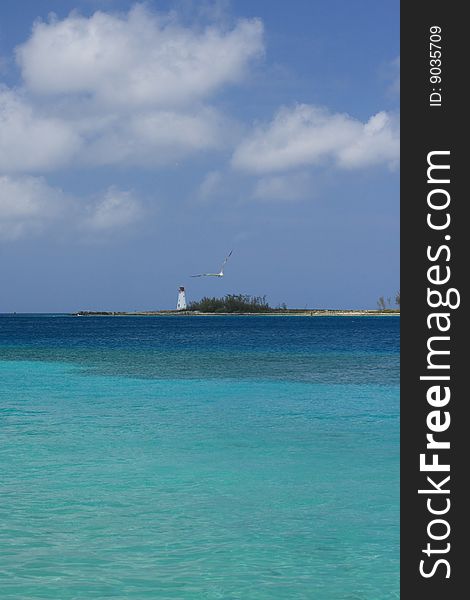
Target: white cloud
(154,138)
(30,206)
(308,135)
(27,206)
(378,143)
(136,59)
(115,210)
(30,141)
(122,88)
(211,185)
(283,187)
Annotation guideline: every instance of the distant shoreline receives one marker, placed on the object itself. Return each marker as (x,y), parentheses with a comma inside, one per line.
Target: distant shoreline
(280,313)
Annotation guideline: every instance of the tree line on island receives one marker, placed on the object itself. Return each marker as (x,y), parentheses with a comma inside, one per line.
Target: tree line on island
(234,303)
(244,303)
(386,304)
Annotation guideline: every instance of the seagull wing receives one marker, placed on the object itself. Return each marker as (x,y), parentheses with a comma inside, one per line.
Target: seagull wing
(226,259)
(220,274)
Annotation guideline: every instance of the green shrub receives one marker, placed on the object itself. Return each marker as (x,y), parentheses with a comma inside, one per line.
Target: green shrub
(231,303)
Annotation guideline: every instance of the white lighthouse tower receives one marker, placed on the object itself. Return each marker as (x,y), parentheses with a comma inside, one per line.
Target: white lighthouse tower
(181,304)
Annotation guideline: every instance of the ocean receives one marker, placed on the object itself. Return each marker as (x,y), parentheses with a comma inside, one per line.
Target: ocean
(250,458)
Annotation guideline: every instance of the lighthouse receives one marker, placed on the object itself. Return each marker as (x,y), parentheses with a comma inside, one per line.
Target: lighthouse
(181,304)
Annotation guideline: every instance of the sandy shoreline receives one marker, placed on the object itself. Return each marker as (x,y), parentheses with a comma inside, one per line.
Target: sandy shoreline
(284,313)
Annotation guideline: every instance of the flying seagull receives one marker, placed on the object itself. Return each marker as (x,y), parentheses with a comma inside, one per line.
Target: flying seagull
(220,274)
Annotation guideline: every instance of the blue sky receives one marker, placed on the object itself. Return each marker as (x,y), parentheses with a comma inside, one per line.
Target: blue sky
(140,142)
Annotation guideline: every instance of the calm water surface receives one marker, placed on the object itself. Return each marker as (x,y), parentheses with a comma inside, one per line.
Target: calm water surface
(249,458)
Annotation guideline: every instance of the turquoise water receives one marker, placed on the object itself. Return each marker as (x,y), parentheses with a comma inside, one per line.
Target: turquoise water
(193,458)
